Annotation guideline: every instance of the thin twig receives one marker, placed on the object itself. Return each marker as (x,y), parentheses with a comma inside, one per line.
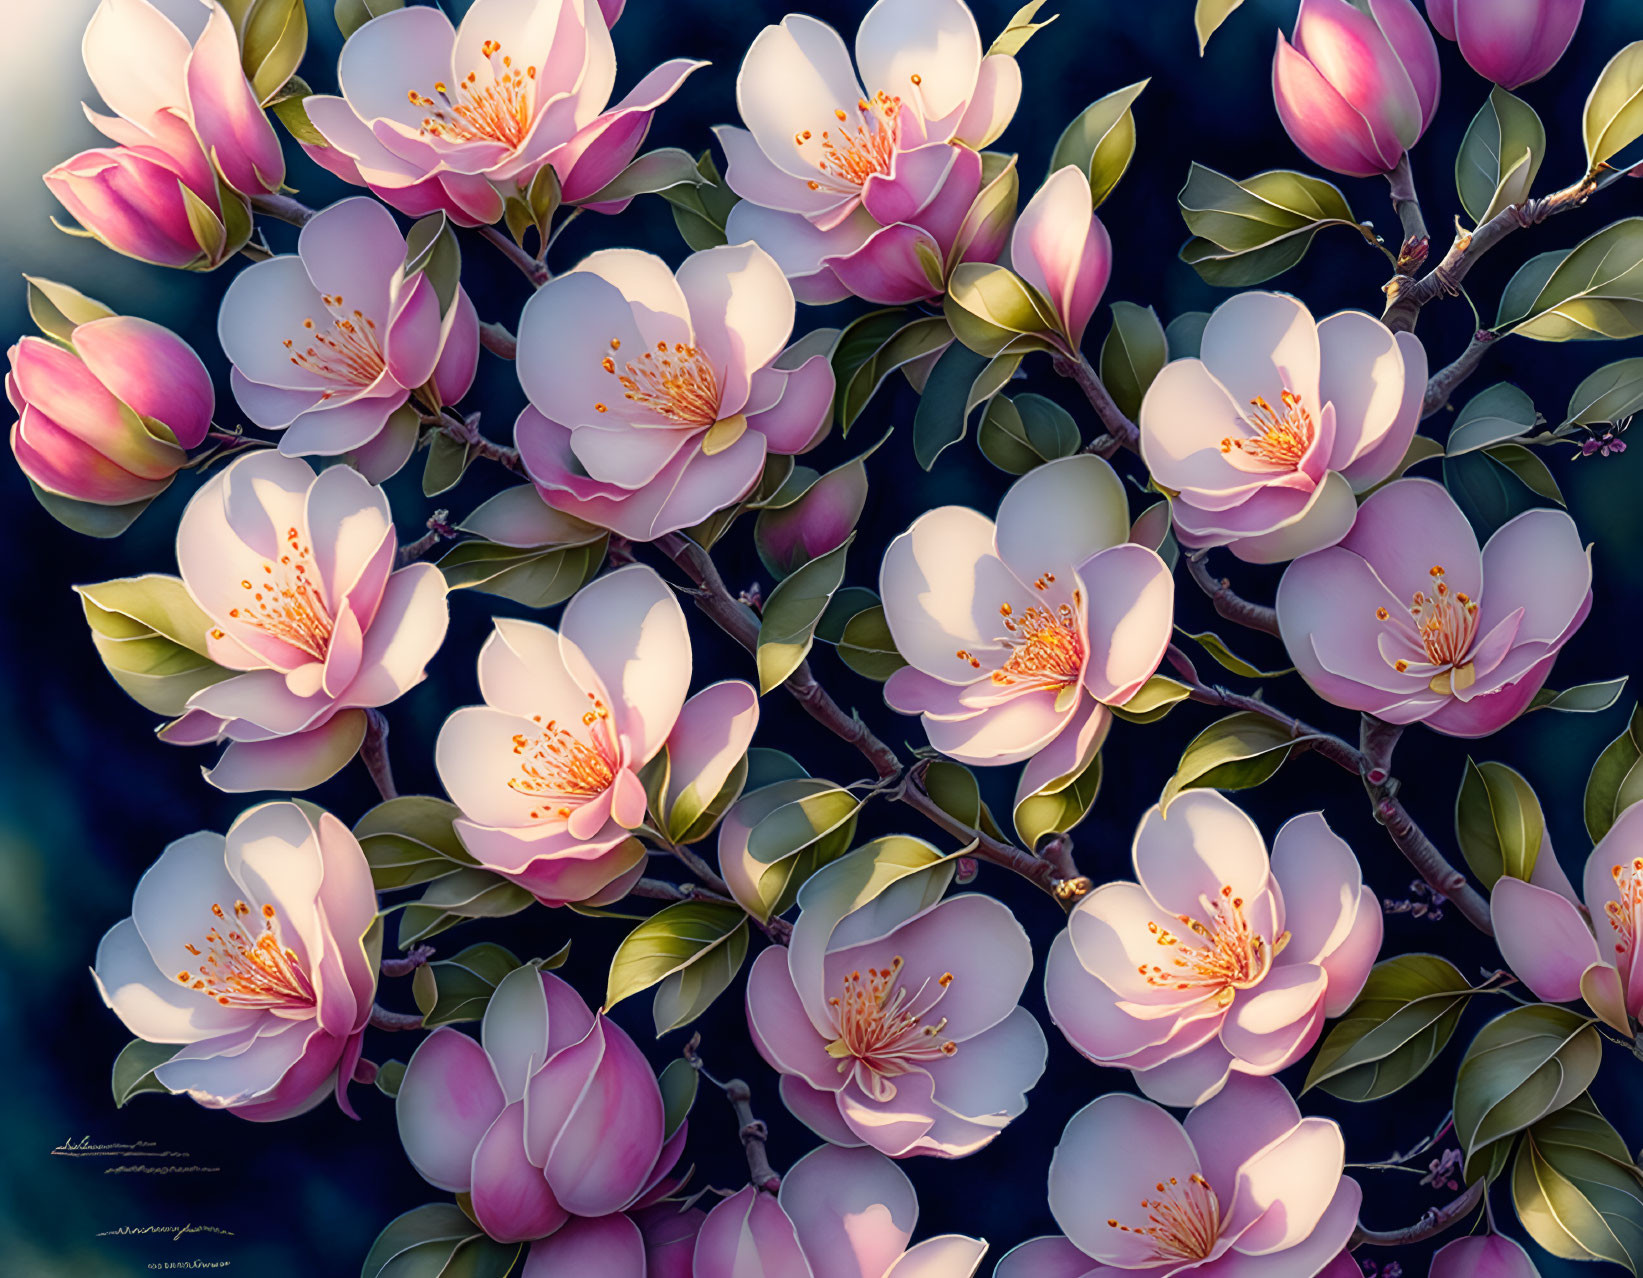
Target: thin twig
(1445,381)
(534,271)
(1434,1222)
(498,340)
(1119,427)
(465,430)
(415,958)
(1054,872)
(283,208)
(395,1022)
(1227,602)
(754,1133)
(373,753)
(1405,834)
(439,529)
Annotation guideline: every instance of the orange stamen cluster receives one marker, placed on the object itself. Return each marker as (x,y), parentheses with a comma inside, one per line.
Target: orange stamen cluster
(1622,914)
(1045,643)
(286,601)
(882,1026)
(239,971)
(562,769)
(1221,955)
(499,111)
(1446,622)
(1183,1221)
(1281,439)
(865,144)
(676,382)
(347,353)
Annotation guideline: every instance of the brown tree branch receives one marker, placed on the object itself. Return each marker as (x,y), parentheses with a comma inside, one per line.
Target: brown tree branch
(465,430)
(754,1133)
(1120,428)
(1434,1222)
(283,208)
(373,753)
(1228,603)
(394,1022)
(534,271)
(498,340)
(1445,381)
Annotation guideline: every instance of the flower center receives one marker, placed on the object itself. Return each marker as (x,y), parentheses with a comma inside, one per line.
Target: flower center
(1281,439)
(560,768)
(498,110)
(676,382)
(864,144)
(882,1026)
(1225,954)
(285,601)
(1622,914)
(1045,644)
(347,353)
(1183,1221)
(1446,624)
(238,971)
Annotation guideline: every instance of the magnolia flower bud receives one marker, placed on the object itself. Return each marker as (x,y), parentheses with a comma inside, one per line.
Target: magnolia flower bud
(1510,44)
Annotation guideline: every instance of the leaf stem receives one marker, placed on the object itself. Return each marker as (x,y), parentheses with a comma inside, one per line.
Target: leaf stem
(1121,429)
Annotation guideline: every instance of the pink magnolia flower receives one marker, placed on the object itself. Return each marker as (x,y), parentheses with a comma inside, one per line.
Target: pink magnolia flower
(1407,621)
(841,1213)
(553,1115)
(1546,939)
(1267,434)
(896,1026)
(326,343)
(1359,85)
(1019,635)
(1245,1185)
(1509,44)
(655,397)
(651,1242)
(546,772)
(296,572)
(183,113)
(81,430)
(1489,1256)
(1219,961)
(1061,248)
(251,951)
(867,192)
(457,118)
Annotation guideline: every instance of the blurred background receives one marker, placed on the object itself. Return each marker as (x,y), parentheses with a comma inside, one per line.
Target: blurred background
(88,798)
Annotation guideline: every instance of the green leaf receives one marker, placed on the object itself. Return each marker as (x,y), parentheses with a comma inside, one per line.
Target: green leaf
(57,310)
(991,308)
(667,942)
(1407,1013)
(134,1069)
(1523,1065)
(518,517)
(151,636)
(1100,142)
(1059,806)
(1594,291)
(1487,492)
(1577,1190)
(1498,822)
(431,250)
(909,871)
(700,212)
(845,604)
(88,518)
(913,340)
(948,399)
(535,578)
(1246,232)
(801,824)
(272,43)
(458,989)
(1134,353)
(1153,700)
(351,15)
(787,627)
(793,529)
(410,840)
(288,106)
(1499,157)
(1529,469)
(678,1083)
(651,174)
(447,462)
(867,647)
(1236,753)
(1490,417)
(992,213)
(1609,396)
(390,1074)
(466,893)
(1185,334)
(1213,644)
(1584,698)
(1614,111)
(1616,781)
(1021,434)
(684,995)
(437,1241)
(1020,29)
(1209,16)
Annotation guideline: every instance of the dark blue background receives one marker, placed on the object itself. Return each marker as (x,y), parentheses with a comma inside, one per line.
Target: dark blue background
(88,798)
